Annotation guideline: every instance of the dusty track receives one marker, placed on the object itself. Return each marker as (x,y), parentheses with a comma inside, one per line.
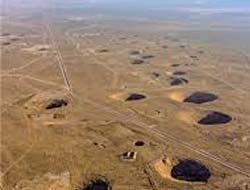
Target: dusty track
(60,60)
(31,78)
(36,60)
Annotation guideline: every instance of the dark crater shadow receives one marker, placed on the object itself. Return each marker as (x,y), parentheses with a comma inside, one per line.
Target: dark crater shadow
(147,56)
(191,171)
(99,183)
(138,57)
(137,61)
(43,49)
(175,65)
(214,117)
(139,143)
(6,43)
(135,97)
(165,46)
(15,39)
(135,52)
(122,38)
(56,103)
(194,57)
(103,51)
(155,74)
(179,73)
(5,34)
(178,81)
(200,98)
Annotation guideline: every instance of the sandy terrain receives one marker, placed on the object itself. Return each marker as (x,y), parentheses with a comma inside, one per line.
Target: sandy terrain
(79,92)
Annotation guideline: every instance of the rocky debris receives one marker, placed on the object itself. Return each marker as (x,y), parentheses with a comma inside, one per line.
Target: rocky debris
(129,156)
(46,182)
(178,81)
(135,96)
(191,171)
(164,47)
(56,103)
(179,73)
(200,98)
(214,117)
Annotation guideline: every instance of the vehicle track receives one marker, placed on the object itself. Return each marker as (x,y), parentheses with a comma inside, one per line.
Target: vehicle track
(60,60)
(26,65)
(31,78)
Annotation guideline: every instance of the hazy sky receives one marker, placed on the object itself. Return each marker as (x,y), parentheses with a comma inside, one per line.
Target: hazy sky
(139,6)
(143,3)
(207,3)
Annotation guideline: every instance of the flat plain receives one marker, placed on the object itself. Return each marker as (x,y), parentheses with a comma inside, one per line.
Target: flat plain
(88,100)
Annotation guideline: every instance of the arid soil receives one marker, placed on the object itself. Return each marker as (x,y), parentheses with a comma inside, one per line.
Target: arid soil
(93,104)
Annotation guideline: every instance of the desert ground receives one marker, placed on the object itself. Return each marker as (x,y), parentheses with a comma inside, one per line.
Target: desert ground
(92,103)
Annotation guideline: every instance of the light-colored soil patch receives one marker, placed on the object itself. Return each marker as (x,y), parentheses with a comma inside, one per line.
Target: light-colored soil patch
(176,96)
(163,168)
(186,116)
(118,96)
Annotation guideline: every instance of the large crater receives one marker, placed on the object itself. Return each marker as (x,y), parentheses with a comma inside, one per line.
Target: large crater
(214,117)
(99,183)
(191,171)
(200,98)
